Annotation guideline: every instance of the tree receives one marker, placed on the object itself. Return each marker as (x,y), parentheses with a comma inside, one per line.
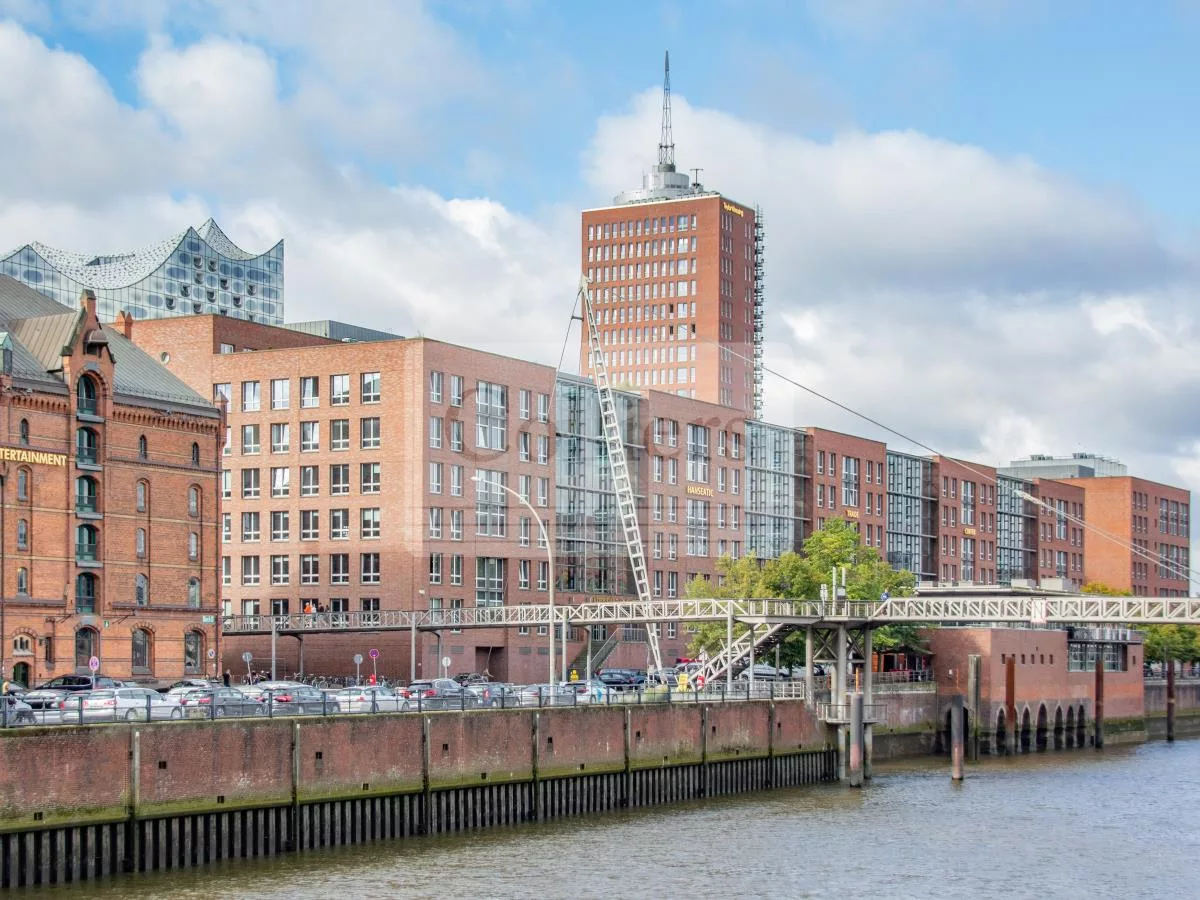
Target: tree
(799,577)
(1162,642)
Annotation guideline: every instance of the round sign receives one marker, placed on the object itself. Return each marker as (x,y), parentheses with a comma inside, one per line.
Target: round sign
(358,659)
(94,664)
(212,653)
(373,653)
(445,662)
(247,656)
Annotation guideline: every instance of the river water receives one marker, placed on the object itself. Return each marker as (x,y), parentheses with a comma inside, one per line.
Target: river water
(1122,823)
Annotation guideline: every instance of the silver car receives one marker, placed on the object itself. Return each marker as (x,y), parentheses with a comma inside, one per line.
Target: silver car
(371,698)
(121,704)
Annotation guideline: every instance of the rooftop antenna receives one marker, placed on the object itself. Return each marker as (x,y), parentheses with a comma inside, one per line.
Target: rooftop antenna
(666,143)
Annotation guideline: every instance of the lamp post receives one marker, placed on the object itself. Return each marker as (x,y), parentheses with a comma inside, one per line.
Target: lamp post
(549,554)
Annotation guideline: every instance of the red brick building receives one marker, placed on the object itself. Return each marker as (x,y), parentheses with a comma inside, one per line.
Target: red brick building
(966,521)
(108,471)
(849,481)
(1060,554)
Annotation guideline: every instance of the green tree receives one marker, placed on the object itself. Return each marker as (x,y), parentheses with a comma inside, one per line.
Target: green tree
(799,577)
(1178,642)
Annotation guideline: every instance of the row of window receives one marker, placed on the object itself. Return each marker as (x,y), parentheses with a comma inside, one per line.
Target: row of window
(309,569)
(143,649)
(369,481)
(282,606)
(492,398)
(310,436)
(638,227)
(87,597)
(369,391)
(663,247)
(310,525)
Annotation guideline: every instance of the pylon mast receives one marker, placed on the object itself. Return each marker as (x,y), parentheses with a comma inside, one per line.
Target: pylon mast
(666,143)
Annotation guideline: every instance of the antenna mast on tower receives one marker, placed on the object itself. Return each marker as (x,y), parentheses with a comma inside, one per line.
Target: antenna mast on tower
(666,143)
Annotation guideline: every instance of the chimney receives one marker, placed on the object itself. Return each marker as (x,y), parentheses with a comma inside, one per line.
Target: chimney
(125,323)
(88,301)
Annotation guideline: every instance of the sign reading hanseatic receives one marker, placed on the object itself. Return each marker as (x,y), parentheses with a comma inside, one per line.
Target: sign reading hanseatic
(39,457)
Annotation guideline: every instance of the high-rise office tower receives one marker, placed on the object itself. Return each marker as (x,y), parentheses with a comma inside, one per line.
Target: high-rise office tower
(677,285)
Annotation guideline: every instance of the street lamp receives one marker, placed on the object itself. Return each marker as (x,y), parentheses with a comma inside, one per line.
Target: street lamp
(479,479)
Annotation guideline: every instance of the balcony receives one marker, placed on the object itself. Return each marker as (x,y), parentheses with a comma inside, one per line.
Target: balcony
(85,603)
(87,456)
(87,553)
(86,503)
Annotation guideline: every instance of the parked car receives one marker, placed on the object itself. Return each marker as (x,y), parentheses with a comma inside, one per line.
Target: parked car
(219,703)
(15,711)
(299,699)
(494,694)
(441,693)
(187,685)
(118,704)
(547,695)
(45,698)
(621,679)
(368,699)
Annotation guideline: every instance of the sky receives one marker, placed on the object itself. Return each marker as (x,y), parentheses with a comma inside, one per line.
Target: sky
(979,225)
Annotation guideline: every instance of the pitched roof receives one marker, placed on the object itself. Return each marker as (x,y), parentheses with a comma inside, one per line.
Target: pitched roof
(40,328)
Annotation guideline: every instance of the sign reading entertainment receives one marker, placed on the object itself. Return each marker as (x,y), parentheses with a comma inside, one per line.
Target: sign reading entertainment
(21,455)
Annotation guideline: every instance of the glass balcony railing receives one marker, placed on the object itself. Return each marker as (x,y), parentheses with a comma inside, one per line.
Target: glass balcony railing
(87,406)
(85,503)
(87,455)
(87,552)
(85,603)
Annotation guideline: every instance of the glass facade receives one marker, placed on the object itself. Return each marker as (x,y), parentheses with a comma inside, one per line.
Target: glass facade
(912,508)
(1016,531)
(199,271)
(775,503)
(591,554)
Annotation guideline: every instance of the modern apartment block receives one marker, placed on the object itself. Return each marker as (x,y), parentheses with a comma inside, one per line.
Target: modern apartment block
(199,270)
(677,286)
(108,501)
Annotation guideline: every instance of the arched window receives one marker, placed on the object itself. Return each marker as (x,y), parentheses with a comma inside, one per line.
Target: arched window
(85,592)
(22,580)
(194,592)
(193,546)
(22,534)
(143,448)
(87,543)
(141,590)
(193,501)
(86,491)
(86,395)
(24,432)
(87,446)
(143,491)
(22,645)
(140,655)
(139,542)
(87,645)
(195,454)
(193,652)
(22,484)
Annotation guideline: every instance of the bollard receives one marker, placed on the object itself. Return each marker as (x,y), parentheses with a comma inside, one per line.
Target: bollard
(1099,719)
(1010,705)
(1170,701)
(856,740)
(957,738)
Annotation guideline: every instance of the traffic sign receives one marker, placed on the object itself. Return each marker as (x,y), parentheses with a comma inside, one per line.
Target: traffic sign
(94,664)
(373,653)
(247,656)
(358,659)
(445,662)
(212,653)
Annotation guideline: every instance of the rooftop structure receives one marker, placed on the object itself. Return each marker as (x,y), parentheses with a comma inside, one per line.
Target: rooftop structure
(1077,465)
(199,270)
(341,331)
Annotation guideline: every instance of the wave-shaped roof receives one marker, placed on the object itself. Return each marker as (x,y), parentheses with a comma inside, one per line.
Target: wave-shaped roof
(117,270)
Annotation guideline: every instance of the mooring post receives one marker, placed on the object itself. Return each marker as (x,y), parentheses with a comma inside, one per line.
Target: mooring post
(840,687)
(867,679)
(957,738)
(974,702)
(1010,705)
(294,832)
(133,830)
(1099,723)
(810,657)
(855,702)
(1170,701)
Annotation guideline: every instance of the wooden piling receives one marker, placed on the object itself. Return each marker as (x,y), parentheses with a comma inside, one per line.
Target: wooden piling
(1099,717)
(1170,701)
(957,738)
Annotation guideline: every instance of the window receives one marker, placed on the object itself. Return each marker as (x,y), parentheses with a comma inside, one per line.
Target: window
(369,568)
(250,574)
(435,568)
(227,484)
(86,396)
(310,481)
(435,522)
(142,493)
(22,580)
(523,446)
(523,402)
(489,581)
(281,570)
(339,479)
(140,650)
(543,491)
(369,433)
(491,502)
(456,436)
(87,645)
(251,488)
(698,453)
(22,534)
(281,482)
(139,542)
(339,568)
(369,522)
(310,437)
(250,396)
(226,527)
(491,416)
(193,652)
(370,387)
(435,432)
(193,545)
(456,569)
(227,447)
(25,433)
(250,443)
(369,476)
(143,448)
(281,437)
(543,578)
(339,434)
(310,392)
(543,455)
(435,387)
(339,390)
(456,481)
(141,590)
(310,525)
(456,390)
(435,478)
(281,391)
(280,525)
(523,574)
(339,524)
(87,446)
(543,405)
(456,524)
(310,568)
